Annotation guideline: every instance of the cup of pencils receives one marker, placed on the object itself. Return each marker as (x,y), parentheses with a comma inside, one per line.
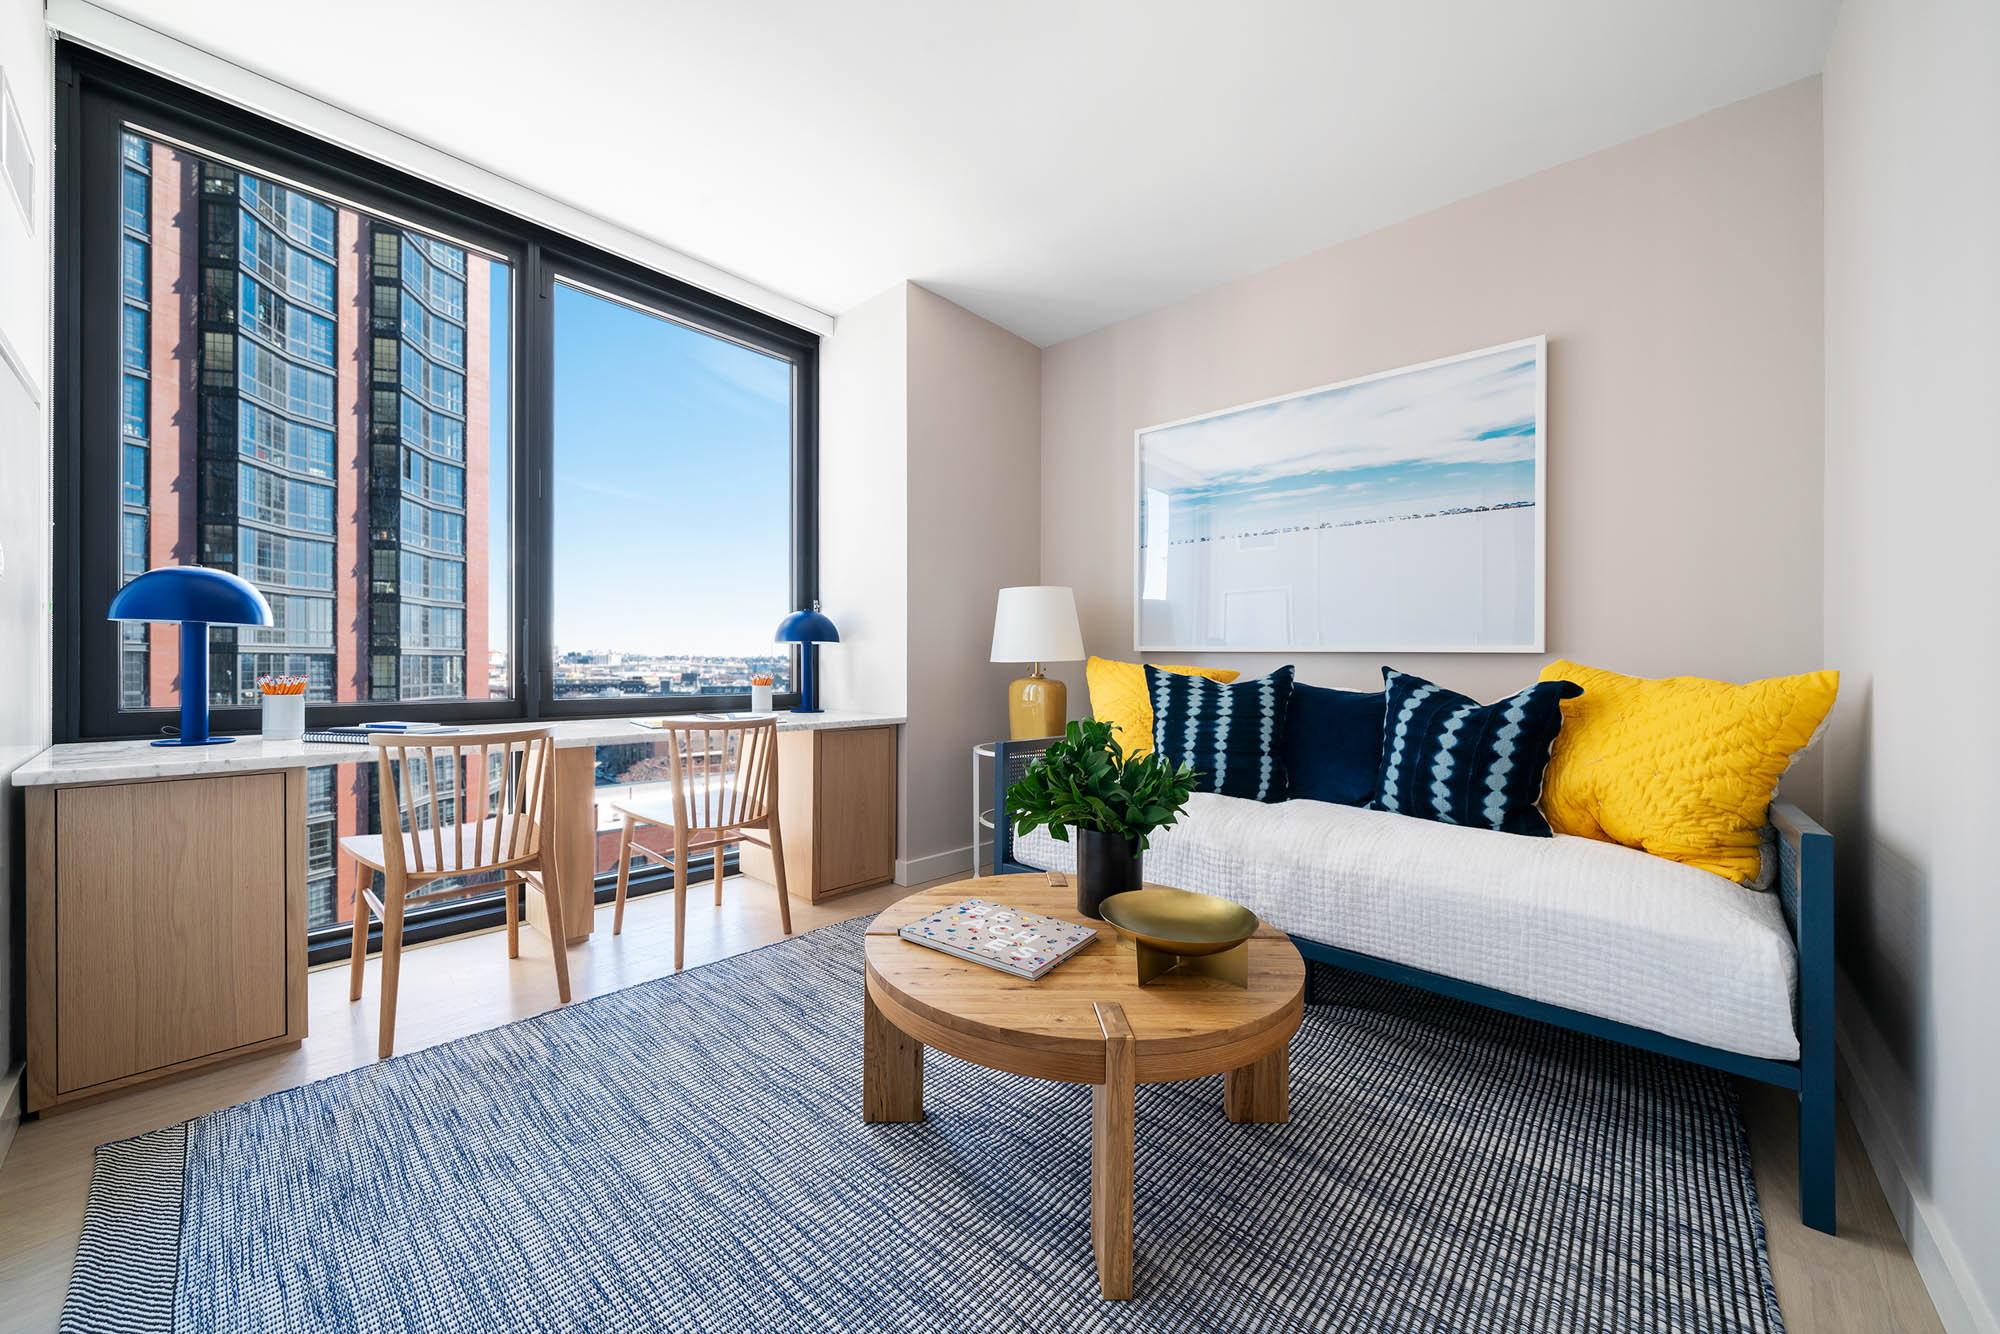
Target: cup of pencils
(760,694)
(284,707)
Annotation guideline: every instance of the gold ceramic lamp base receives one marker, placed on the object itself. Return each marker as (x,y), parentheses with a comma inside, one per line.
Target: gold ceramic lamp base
(1181,934)
(1037,706)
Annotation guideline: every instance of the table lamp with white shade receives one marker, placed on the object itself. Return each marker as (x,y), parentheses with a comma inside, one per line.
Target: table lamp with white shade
(1037,624)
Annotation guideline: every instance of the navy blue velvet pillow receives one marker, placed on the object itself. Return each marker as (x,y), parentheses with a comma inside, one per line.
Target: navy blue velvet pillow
(1333,744)
(1233,735)
(1449,758)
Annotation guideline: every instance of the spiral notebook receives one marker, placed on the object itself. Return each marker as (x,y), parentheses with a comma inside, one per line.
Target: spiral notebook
(1025,944)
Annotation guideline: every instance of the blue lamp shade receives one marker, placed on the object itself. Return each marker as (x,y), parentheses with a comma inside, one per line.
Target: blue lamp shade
(809,629)
(197,597)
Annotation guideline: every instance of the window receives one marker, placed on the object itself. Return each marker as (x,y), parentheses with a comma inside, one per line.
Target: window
(288,444)
(135,338)
(135,406)
(134,488)
(138,200)
(318,382)
(647,407)
(132,547)
(137,269)
(267,497)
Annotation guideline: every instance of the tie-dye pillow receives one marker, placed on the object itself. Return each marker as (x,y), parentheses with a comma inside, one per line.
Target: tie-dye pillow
(1449,758)
(1233,735)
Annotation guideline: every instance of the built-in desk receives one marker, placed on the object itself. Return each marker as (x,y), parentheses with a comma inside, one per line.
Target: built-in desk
(166,909)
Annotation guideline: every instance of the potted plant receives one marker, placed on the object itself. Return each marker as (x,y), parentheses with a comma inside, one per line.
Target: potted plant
(1085,782)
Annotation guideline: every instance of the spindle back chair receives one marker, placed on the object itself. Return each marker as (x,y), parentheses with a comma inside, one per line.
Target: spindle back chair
(474,804)
(723,781)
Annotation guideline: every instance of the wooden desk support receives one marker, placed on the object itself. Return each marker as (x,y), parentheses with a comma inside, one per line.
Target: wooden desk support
(837,805)
(166,928)
(574,822)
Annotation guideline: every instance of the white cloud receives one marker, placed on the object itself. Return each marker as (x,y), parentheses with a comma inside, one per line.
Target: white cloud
(1431,416)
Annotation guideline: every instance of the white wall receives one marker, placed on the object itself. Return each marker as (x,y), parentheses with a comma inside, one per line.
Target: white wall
(1912,94)
(24,514)
(1678,279)
(864,505)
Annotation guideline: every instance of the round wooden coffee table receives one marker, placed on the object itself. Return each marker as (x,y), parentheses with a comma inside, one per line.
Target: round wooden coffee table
(1086,1022)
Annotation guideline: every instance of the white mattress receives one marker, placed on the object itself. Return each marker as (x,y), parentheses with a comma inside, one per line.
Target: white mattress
(1573,922)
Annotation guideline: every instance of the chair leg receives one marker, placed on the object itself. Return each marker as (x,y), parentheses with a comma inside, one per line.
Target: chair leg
(680,897)
(392,961)
(358,952)
(624,876)
(552,891)
(513,899)
(715,869)
(778,871)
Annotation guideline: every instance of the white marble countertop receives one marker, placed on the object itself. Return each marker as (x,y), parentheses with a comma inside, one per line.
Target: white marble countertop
(119,761)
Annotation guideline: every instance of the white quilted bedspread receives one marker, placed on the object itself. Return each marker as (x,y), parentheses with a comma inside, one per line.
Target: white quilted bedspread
(1573,922)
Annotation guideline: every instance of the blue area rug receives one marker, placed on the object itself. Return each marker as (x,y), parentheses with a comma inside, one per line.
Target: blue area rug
(689,1155)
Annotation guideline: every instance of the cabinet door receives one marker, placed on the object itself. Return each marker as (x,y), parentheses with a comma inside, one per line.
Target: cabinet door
(170,923)
(855,830)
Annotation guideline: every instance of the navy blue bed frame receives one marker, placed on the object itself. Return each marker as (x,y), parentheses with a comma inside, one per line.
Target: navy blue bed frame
(1805,887)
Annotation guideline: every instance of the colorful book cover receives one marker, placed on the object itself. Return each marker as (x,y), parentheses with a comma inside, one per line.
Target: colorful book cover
(1025,944)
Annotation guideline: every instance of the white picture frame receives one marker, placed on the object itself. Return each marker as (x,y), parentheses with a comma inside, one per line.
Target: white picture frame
(1400,512)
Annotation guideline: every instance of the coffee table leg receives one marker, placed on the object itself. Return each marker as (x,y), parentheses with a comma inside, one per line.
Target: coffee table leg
(1260,1091)
(892,1069)
(1111,1157)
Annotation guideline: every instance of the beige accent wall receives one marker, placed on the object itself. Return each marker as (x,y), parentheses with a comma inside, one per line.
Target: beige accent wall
(930,469)
(975,487)
(1677,277)
(1912,552)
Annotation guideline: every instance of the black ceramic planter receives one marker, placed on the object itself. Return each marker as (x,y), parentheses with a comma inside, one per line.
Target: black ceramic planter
(1105,865)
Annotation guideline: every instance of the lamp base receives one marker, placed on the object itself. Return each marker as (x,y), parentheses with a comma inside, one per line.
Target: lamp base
(205,741)
(1036,707)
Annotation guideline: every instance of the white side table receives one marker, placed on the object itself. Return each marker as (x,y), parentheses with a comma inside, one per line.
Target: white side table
(982,818)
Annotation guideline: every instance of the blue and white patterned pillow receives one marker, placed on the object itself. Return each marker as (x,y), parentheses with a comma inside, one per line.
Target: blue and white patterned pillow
(1233,735)
(1448,758)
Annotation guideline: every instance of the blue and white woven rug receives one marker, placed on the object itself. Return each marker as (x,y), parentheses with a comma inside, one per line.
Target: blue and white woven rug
(689,1155)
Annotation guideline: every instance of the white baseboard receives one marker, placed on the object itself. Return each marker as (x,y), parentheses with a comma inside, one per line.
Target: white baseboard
(10,1108)
(1962,1308)
(918,870)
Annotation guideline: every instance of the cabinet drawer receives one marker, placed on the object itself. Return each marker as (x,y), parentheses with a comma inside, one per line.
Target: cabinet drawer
(170,923)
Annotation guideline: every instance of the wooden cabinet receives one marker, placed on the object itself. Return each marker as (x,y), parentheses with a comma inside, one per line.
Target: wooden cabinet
(836,810)
(165,928)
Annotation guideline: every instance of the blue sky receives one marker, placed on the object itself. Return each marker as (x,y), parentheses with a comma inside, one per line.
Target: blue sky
(672,486)
(1457,434)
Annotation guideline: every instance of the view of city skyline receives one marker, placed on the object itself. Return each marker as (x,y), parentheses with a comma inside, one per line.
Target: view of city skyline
(317,399)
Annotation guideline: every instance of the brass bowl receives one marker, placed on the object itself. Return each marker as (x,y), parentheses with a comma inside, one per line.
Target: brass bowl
(1179,921)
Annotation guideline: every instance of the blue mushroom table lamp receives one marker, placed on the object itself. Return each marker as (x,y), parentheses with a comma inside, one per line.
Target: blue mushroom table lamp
(197,597)
(809,629)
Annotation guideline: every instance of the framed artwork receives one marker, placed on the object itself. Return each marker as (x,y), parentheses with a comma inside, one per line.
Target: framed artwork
(1402,512)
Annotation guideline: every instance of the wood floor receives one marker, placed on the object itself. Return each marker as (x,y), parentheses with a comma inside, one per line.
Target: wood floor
(1862,1282)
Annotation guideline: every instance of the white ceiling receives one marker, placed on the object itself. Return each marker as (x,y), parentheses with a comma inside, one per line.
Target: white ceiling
(1053,165)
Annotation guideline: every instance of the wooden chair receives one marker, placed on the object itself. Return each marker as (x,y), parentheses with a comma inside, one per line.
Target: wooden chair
(502,776)
(724,778)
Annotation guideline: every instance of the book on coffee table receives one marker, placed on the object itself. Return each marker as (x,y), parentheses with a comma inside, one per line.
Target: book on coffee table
(1025,944)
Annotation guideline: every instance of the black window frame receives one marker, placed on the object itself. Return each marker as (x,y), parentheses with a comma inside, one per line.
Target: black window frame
(96,96)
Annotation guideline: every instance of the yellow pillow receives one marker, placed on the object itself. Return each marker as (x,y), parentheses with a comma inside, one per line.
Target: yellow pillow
(1682,768)
(1118,696)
